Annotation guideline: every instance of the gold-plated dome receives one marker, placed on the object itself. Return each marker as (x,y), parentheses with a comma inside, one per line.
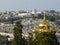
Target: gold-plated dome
(44,24)
(34,29)
(44,21)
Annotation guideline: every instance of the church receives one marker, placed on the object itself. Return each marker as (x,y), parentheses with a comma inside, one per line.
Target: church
(44,26)
(45,35)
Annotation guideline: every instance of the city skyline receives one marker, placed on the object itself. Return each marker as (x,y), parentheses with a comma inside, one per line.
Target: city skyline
(16,5)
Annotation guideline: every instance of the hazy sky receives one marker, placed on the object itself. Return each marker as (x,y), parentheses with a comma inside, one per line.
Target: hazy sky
(9,5)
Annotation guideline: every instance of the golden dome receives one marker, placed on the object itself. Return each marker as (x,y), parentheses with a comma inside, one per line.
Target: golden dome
(35,30)
(44,24)
(44,21)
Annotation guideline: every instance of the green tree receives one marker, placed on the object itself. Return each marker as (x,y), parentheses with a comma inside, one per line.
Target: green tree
(30,39)
(46,38)
(6,40)
(17,34)
(24,41)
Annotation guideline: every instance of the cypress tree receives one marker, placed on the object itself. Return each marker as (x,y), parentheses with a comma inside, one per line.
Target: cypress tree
(17,34)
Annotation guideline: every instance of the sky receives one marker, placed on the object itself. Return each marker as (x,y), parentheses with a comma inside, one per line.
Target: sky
(15,5)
